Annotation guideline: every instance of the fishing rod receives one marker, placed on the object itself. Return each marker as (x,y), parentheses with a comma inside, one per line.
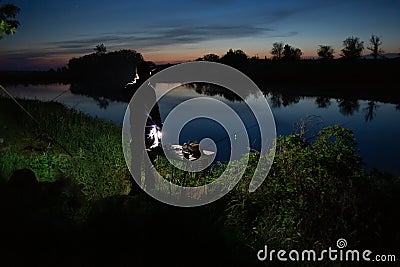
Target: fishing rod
(52,138)
(62,93)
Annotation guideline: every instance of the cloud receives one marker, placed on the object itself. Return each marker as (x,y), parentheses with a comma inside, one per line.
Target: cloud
(36,59)
(299,8)
(166,36)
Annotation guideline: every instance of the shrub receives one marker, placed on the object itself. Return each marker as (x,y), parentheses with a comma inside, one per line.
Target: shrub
(309,198)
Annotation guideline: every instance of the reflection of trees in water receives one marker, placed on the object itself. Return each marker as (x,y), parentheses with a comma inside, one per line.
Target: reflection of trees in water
(288,100)
(348,106)
(276,100)
(279,99)
(102,102)
(370,110)
(322,101)
(213,90)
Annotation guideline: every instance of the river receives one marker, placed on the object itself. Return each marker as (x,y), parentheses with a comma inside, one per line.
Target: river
(376,125)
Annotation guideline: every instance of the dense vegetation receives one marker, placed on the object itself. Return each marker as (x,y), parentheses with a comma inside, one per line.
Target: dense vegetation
(316,192)
(106,73)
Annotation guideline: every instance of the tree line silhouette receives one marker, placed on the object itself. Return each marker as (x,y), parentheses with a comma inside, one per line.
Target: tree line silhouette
(352,49)
(350,75)
(104,73)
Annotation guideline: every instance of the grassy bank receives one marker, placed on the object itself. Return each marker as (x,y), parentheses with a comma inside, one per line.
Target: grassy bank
(95,164)
(316,192)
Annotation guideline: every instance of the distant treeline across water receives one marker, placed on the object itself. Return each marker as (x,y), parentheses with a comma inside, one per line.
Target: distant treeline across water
(106,74)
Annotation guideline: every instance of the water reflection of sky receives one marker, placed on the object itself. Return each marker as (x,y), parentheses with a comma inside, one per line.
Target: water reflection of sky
(60,93)
(378,139)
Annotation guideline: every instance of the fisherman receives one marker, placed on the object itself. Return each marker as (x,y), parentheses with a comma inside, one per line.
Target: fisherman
(142,113)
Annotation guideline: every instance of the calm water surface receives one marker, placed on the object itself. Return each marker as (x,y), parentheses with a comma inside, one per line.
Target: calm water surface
(376,125)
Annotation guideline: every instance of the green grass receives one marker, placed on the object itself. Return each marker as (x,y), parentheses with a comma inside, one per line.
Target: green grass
(97,161)
(185,178)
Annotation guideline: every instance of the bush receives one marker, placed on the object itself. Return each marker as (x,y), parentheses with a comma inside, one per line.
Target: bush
(315,193)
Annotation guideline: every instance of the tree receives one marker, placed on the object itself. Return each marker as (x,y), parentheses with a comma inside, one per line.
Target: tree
(255,58)
(100,49)
(8,25)
(209,57)
(291,53)
(352,48)
(325,52)
(277,50)
(375,42)
(93,74)
(234,57)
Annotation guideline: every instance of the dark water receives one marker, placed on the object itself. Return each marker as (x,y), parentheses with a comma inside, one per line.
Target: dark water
(376,125)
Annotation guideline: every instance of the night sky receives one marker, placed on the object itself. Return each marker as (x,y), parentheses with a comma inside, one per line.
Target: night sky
(52,32)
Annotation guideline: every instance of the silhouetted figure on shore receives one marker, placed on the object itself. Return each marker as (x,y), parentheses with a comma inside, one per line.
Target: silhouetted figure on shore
(142,113)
